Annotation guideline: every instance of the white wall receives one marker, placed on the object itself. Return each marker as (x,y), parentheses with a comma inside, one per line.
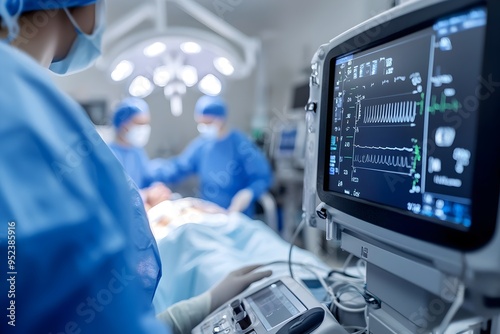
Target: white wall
(292,49)
(297,31)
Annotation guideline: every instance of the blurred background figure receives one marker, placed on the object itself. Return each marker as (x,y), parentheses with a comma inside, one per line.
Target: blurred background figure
(132,125)
(232,171)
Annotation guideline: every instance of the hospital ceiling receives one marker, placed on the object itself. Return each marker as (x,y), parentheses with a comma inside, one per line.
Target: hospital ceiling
(252,17)
(235,25)
(228,31)
(266,20)
(290,28)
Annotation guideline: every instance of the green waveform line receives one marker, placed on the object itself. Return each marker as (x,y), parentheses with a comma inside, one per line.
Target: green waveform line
(443,105)
(421,104)
(417,157)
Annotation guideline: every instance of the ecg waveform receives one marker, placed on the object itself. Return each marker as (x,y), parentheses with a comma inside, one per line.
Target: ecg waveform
(397,112)
(399,160)
(382,159)
(407,149)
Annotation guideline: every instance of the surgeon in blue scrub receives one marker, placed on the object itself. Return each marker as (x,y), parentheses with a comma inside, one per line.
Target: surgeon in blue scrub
(232,172)
(131,121)
(82,258)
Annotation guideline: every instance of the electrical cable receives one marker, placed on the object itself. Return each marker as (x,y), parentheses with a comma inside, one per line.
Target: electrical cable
(348,309)
(343,282)
(358,329)
(457,303)
(300,264)
(292,242)
(361,267)
(306,267)
(346,262)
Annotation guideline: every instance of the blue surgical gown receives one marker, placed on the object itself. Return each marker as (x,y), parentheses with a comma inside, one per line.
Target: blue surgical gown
(75,264)
(135,162)
(223,166)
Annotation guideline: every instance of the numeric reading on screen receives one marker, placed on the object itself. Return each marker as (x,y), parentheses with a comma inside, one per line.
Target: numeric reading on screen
(404,118)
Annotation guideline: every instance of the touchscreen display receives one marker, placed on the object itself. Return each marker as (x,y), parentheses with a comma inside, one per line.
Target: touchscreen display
(275,305)
(404,120)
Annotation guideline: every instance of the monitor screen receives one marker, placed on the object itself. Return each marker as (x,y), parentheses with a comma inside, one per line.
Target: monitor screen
(97,111)
(286,142)
(275,304)
(408,128)
(403,121)
(300,95)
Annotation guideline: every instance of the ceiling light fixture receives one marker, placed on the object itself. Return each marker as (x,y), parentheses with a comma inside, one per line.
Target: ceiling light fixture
(224,66)
(175,58)
(140,87)
(155,49)
(210,85)
(174,92)
(190,47)
(122,71)
(161,76)
(189,75)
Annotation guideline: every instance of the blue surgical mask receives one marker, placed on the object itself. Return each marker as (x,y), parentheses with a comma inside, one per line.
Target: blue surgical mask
(86,48)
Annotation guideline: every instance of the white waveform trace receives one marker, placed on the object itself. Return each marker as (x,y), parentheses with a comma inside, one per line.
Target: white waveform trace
(397,112)
(379,159)
(401,149)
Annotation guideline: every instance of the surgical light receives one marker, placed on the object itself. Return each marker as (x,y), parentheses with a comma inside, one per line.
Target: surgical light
(122,71)
(141,87)
(224,66)
(174,58)
(161,76)
(190,47)
(176,105)
(154,49)
(189,75)
(174,92)
(210,85)
(189,53)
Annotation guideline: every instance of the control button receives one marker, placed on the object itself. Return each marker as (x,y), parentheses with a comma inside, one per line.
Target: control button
(220,330)
(237,306)
(245,322)
(312,106)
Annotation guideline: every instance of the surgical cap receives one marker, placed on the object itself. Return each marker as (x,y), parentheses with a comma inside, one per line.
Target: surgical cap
(210,106)
(127,109)
(11,9)
(53,4)
(30,5)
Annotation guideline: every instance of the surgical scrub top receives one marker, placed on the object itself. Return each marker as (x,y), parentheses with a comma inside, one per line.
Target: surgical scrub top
(135,162)
(224,166)
(82,258)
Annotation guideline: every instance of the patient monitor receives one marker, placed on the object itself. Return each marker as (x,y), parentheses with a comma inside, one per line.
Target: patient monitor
(280,306)
(408,117)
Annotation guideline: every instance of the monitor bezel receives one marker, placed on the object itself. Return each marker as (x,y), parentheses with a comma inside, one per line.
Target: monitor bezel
(486,180)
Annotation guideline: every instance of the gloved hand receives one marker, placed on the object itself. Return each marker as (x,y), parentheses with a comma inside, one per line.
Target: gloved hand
(241,200)
(155,194)
(234,283)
